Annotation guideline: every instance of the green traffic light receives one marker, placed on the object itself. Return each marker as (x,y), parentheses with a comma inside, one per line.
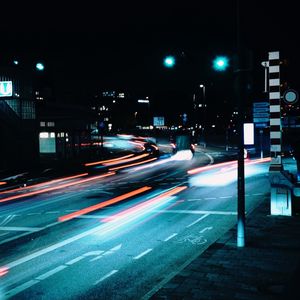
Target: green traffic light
(39,66)
(220,63)
(169,61)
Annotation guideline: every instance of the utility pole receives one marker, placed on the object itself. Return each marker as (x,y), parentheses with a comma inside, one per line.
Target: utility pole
(240,86)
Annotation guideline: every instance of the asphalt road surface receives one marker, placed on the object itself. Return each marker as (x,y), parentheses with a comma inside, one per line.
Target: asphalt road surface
(122,235)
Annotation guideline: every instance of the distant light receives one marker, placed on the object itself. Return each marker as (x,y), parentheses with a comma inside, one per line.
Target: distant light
(39,66)
(16,62)
(220,63)
(143,101)
(169,61)
(201,85)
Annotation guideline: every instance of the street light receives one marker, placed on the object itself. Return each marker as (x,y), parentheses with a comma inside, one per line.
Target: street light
(169,61)
(220,63)
(39,66)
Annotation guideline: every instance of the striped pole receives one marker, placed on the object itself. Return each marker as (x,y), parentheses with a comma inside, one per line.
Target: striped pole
(275,114)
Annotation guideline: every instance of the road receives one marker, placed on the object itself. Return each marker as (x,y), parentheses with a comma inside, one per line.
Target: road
(122,235)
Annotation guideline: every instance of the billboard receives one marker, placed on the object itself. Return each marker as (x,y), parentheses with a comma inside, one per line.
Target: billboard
(6,88)
(158,121)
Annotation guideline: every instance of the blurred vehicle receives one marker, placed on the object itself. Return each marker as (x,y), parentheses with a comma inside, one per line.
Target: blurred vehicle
(182,142)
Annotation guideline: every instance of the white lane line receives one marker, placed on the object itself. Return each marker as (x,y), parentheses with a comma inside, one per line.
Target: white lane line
(206,228)
(33,214)
(170,237)
(73,261)
(9,228)
(226,197)
(50,273)
(106,276)
(53,247)
(4,233)
(198,220)
(71,210)
(258,194)
(196,212)
(52,212)
(7,219)
(212,198)
(142,254)
(21,288)
(196,199)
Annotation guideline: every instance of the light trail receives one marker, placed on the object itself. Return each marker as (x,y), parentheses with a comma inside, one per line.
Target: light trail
(133,164)
(43,183)
(103,204)
(56,187)
(144,205)
(107,161)
(127,160)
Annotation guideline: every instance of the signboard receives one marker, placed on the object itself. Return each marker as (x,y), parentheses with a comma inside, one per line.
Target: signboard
(248,134)
(290,96)
(158,121)
(261,114)
(6,88)
(261,104)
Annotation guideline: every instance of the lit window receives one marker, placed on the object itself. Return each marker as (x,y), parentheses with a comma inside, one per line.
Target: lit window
(44,135)
(50,124)
(42,124)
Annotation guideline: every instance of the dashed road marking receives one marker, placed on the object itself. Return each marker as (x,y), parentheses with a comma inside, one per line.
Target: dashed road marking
(226,197)
(198,220)
(142,254)
(52,212)
(106,276)
(170,237)
(50,273)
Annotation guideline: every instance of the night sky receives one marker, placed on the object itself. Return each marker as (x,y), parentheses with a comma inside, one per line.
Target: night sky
(119,45)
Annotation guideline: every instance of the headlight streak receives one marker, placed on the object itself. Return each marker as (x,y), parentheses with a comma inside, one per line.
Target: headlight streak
(56,187)
(103,204)
(133,164)
(107,161)
(227,175)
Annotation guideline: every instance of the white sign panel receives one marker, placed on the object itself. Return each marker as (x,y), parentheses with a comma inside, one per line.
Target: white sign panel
(5,88)
(248,134)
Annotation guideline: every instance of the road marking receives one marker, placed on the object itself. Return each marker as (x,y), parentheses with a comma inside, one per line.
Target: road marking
(50,273)
(196,199)
(71,210)
(9,228)
(108,252)
(52,212)
(7,219)
(142,254)
(4,233)
(258,194)
(32,282)
(106,276)
(92,253)
(32,214)
(196,212)
(213,198)
(170,237)
(21,288)
(198,220)
(73,261)
(206,228)
(226,197)
(53,247)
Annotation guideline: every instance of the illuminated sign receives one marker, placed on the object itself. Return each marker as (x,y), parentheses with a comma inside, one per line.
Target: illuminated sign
(5,88)
(248,134)
(158,121)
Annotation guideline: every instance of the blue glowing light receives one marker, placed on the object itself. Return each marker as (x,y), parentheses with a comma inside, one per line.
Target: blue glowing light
(169,61)
(40,66)
(220,63)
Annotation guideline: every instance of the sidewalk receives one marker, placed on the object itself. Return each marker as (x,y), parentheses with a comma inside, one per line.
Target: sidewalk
(268,267)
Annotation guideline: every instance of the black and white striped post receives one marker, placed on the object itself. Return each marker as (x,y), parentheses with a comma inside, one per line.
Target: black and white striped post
(275,113)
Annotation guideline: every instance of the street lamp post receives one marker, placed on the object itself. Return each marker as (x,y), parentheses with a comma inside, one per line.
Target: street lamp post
(202,86)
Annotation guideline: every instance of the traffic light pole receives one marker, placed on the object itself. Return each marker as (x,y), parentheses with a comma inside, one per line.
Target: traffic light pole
(239,89)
